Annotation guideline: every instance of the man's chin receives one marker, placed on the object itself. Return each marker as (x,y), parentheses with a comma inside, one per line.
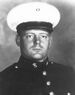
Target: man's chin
(37,56)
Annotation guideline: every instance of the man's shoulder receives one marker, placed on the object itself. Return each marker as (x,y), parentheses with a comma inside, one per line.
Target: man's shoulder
(62,70)
(61,66)
(9,70)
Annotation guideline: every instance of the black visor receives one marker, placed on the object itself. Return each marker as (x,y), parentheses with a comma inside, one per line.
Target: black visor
(35,25)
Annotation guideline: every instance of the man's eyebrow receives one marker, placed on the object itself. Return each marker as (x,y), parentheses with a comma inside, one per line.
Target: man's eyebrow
(44,33)
(29,33)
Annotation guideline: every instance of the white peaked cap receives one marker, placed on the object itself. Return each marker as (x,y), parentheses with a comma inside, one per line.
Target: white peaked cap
(33,11)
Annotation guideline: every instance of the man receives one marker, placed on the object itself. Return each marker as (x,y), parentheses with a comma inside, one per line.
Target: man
(33,74)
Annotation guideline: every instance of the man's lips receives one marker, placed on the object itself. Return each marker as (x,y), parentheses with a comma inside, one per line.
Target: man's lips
(36,49)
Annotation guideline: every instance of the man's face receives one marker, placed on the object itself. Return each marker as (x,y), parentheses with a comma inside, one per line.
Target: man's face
(34,44)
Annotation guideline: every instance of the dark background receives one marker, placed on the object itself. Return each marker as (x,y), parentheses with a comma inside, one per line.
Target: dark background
(63,47)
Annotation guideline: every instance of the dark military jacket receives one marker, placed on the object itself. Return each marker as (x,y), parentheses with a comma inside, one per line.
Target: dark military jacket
(33,78)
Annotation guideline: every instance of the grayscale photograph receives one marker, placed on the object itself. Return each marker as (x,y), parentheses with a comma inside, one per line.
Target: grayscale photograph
(37,47)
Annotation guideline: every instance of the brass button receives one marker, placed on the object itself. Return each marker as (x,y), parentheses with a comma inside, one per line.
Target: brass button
(16,67)
(38,9)
(44,73)
(48,83)
(68,93)
(34,65)
(51,93)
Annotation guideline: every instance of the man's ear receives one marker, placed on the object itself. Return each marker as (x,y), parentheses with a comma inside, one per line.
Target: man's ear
(18,40)
(50,41)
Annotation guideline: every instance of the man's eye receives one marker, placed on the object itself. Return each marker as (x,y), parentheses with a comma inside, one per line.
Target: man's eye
(44,36)
(29,36)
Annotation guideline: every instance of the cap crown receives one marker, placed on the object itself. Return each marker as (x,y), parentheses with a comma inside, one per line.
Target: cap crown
(33,11)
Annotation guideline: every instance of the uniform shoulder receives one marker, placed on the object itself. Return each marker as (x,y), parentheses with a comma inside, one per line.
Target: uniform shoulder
(64,69)
(8,70)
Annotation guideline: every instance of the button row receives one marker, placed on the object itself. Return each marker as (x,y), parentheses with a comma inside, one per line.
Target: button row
(48,83)
(52,93)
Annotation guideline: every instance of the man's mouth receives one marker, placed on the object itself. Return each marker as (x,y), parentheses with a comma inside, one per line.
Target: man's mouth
(36,49)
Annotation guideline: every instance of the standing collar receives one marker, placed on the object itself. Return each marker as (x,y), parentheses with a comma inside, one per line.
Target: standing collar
(27,62)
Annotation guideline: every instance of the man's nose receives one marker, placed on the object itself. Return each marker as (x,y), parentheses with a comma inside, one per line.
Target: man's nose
(36,40)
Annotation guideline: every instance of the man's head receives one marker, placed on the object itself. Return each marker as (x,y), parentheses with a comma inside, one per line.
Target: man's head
(34,43)
(34,39)
(34,23)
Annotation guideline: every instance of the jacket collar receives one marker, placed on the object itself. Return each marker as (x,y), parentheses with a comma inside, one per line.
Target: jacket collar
(28,63)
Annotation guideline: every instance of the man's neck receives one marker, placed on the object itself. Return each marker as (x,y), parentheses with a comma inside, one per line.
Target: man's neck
(34,60)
